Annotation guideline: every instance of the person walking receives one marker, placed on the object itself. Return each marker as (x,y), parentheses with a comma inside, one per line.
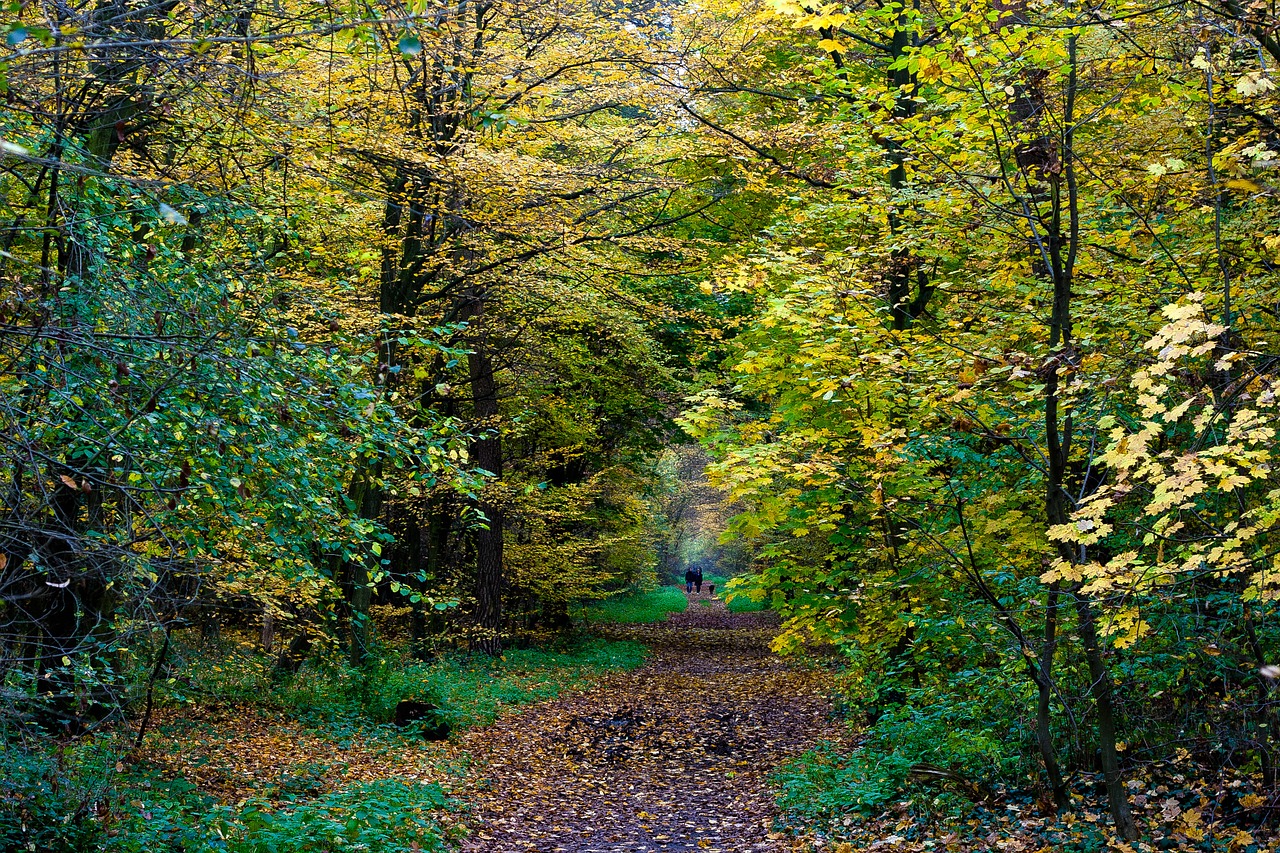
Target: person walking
(697,579)
(688,580)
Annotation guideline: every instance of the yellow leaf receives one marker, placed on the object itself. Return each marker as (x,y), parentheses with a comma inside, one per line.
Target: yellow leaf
(1243,185)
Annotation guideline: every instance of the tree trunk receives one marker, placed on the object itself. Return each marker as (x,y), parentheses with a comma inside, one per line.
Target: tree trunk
(1059,251)
(486,452)
(435,536)
(1044,704)
(361,626)
(1100,677)
(268,631)
(367,498)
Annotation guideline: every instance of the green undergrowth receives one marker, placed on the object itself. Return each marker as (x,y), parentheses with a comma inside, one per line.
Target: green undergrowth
(743,604)
(86,795)
(475,690)
(934,766)
(641,606)
(845,800)
(80,797)
(470,689)
(957,735)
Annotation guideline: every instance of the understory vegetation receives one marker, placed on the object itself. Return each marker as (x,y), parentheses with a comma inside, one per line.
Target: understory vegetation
(104,793)
(470,690)
(77,800)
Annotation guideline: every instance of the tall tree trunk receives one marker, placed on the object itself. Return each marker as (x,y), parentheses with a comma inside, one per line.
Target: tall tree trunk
(904,266)
(1060,249)
(486,452)
(435,541)
(905,270)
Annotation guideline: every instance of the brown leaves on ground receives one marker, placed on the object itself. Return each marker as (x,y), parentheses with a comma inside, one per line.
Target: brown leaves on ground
(1207,810)
(672,757)
(236,752)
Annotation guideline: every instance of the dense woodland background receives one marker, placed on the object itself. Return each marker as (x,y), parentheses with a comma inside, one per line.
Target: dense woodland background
(332,328)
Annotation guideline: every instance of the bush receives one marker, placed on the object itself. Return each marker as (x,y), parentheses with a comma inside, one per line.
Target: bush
(956,731)
(742,595)
(74,798)
(165,815)
(388,816)
(474,689)
(634,607)
(51,801)
(77,798)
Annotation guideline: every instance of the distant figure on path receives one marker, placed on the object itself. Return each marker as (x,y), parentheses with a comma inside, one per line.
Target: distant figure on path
(697,579)
(689,577)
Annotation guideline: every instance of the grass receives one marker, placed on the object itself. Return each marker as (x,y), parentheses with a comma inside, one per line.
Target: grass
(742,604)
(636,607)
(470,689)
(475,690)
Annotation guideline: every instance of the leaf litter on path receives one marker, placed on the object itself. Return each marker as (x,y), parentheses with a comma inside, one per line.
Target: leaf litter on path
(672,757)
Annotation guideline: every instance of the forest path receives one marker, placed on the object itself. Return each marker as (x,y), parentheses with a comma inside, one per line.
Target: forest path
(671,757)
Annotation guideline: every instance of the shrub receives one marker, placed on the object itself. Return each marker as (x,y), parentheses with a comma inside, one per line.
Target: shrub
(50,801)
(958,731)
(469,689)
(388,816)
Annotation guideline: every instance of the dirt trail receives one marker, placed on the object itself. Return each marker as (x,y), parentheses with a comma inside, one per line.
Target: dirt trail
(672,757)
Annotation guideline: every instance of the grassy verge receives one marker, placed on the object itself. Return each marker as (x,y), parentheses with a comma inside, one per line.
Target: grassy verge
(742,604)
(469,689)
(636,607)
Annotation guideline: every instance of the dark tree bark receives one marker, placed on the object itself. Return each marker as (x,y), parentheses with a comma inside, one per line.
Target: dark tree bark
(368,500)
(1044,703)
(1101,686)
(486,452)
(1058,246)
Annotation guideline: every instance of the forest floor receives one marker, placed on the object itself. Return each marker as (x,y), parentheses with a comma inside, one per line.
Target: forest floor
(674,756)
(591,750)
(587,752)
